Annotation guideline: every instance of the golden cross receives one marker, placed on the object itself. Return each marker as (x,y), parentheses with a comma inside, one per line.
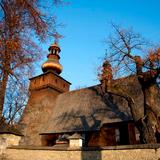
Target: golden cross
(57,36)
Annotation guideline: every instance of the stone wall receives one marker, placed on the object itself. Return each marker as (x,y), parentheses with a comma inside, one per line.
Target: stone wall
(7,140)
(107,153)
(10,139)
(3,145)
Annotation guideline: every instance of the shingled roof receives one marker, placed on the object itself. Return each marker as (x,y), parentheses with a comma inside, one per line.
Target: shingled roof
(8,129)
(88,109)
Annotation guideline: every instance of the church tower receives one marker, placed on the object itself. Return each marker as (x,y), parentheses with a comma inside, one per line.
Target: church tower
(44,90)
(51,73)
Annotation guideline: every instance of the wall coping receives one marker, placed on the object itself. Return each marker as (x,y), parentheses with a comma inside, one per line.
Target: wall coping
(66,148)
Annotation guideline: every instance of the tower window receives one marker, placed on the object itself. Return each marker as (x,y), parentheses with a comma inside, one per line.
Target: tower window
(56,51)
(64,85)
(53,51)
(56,81)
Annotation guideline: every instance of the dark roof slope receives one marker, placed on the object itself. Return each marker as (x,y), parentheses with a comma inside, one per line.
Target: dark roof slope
(87,109)
(8,129)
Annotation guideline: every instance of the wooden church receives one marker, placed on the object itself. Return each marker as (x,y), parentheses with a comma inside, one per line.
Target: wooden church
(54,113)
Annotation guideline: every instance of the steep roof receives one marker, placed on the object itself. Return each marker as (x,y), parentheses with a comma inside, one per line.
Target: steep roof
(87,109)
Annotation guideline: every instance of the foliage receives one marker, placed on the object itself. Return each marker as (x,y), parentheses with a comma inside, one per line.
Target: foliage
(125,58)
(22,24)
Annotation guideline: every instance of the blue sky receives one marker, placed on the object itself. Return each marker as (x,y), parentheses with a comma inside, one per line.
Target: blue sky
(87,24)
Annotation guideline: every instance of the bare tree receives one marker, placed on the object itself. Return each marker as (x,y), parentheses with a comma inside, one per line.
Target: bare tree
(127,57)
(16,99)
(22,24)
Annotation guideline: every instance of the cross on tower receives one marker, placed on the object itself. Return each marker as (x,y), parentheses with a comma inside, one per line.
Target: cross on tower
(57,36)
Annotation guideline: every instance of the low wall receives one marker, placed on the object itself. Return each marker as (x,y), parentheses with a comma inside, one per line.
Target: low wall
(10,139)
(138,152)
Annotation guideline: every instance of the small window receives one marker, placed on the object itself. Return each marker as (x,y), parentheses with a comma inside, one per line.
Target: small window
(64,85)
(117,135)
(53,51)
(56,81)
(137,134)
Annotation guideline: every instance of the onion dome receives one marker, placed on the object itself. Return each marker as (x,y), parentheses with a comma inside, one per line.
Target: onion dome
(52,64)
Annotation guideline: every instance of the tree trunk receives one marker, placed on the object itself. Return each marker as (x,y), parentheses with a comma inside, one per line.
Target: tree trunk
(3,85)
(149,125)
(4,80)
(146,130)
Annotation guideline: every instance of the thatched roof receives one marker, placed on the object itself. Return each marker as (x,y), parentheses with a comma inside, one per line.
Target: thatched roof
(87,109)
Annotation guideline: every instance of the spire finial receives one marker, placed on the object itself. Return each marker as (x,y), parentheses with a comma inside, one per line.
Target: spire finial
(57,36)
(52,63)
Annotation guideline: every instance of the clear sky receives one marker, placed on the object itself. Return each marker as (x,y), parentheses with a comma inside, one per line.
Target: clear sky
(87,24)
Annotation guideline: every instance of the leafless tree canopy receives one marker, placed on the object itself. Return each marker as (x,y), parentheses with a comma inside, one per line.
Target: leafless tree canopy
(128,55)
(123,45)
(22,24)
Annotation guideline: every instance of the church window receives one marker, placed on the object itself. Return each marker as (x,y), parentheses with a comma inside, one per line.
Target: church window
(137,134)
(117,135)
